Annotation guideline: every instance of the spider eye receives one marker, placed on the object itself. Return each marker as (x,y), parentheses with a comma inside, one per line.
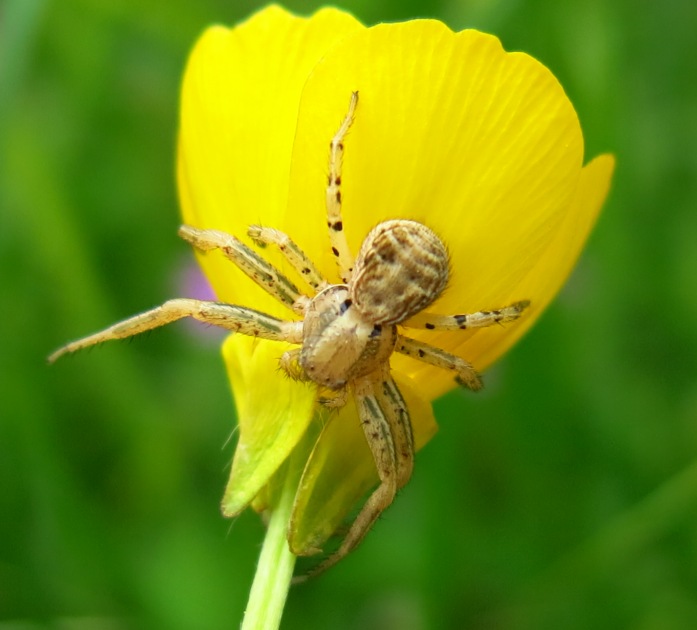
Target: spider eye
(402,267)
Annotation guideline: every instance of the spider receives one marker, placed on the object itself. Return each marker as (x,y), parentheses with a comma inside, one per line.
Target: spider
(348,331)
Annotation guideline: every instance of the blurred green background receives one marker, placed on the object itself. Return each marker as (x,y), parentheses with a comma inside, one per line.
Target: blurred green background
(564,496)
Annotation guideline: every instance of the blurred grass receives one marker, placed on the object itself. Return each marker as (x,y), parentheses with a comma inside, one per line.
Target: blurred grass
(565,496)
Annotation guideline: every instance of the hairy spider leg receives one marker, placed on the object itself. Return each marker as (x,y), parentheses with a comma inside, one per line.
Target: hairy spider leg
(298,259)
(337,237)
(236,318)
(479,319)
(385,434)
(466,374)
(261,271)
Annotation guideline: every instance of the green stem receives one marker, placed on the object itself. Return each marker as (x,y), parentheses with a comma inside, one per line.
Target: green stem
(275,569)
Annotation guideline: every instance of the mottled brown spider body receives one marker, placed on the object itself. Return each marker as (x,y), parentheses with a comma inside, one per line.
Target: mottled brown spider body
(350,330)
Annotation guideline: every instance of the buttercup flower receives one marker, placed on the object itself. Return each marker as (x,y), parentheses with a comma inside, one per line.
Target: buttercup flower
(480,145)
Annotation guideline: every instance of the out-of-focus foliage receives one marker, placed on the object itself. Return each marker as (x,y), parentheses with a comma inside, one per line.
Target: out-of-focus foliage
(565,495)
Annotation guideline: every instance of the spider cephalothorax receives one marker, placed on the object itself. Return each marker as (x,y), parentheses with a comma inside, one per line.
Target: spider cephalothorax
(348,330)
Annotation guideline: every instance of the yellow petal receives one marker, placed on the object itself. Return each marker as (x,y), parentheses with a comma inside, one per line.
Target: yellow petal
(550,272)
(481,145)
(273,414)
(239,106)
(341,470)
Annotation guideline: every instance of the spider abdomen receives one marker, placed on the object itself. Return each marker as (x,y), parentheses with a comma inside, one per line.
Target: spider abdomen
(401,269)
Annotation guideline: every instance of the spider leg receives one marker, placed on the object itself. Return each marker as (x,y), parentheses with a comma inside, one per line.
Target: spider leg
(386,434)
(395,407)
(479,319)
(294,255)
(466,374)
(262,272)
(337,237)
(236,318)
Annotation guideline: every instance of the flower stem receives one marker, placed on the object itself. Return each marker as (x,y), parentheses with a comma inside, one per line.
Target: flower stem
(275,568)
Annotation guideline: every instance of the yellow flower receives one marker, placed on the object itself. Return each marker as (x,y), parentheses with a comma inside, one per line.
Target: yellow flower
(481,145)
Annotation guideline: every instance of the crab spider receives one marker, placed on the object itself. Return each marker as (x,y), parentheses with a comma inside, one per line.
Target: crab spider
(348,331)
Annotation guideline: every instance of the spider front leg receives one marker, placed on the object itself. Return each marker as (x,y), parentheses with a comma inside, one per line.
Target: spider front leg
(387,427)
(480,319)
(466,374)
(337,237)
(262,272)
(236,318)
(294,255)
